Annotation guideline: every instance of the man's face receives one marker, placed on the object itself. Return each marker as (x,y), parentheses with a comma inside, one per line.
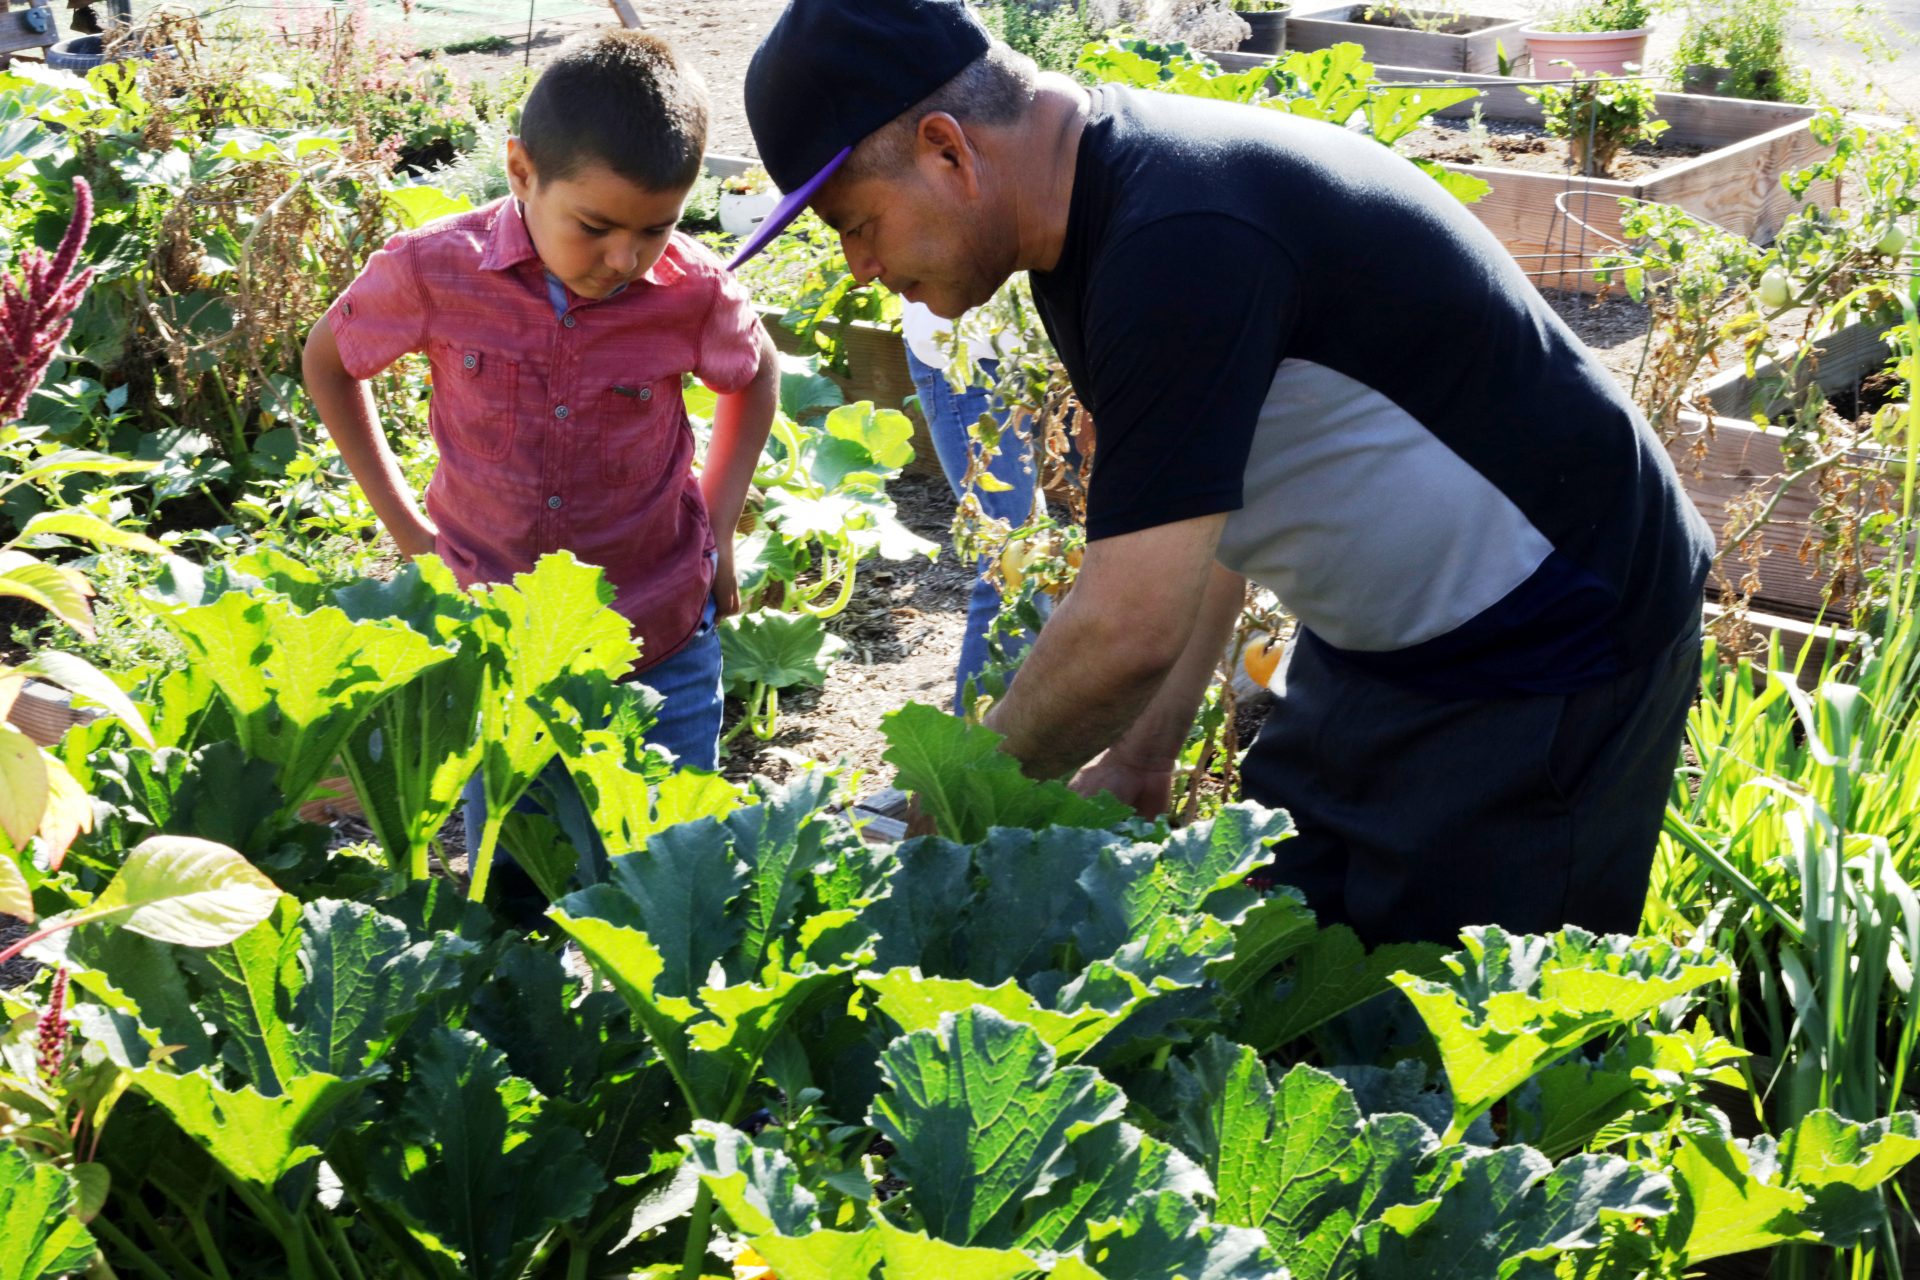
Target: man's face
(919,235)
(595,230)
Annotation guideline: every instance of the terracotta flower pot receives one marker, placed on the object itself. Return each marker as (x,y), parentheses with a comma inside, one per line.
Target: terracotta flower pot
(1588,51)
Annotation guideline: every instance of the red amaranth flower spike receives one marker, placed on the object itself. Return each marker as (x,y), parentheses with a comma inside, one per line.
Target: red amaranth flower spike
(53,1029)
(36,310)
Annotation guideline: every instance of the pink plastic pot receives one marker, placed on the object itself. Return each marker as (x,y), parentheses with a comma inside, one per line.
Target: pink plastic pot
(1588,51)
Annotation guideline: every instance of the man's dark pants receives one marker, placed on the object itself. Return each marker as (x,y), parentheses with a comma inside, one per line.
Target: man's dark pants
(1418,816)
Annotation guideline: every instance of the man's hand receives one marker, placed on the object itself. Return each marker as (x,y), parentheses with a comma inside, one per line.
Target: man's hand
(726,588)
(1109,648)
(1148,788)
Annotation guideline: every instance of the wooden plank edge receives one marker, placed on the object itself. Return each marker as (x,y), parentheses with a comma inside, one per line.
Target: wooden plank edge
(1798,638)
(1733,151)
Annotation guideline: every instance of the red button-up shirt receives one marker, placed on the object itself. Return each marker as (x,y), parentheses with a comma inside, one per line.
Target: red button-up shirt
(559,432)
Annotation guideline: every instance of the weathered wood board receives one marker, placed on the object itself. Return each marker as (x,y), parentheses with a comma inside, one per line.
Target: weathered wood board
(1477,51)
(876,371)
(21,27)
(1721,457)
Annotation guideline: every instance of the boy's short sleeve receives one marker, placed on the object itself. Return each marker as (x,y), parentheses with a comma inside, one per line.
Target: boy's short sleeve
(730,338)
(383,314)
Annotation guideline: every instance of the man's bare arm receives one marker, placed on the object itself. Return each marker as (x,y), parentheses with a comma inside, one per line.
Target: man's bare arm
(1139,767)
(1104,654)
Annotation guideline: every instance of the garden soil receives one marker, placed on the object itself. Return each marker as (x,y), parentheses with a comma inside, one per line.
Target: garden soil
(1512,144)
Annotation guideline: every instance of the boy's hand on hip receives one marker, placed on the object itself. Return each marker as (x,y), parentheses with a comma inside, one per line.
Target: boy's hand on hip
(726,591)
(415,538)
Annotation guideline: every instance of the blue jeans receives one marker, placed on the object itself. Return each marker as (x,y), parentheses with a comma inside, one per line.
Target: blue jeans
(949,415)
(689,726)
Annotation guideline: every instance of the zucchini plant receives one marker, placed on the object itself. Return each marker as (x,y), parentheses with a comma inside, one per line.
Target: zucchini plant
(1051,1040)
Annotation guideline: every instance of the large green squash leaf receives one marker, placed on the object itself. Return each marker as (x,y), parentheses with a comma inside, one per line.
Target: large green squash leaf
(981,1119)
(328,987)
(1165,1237)
(1819,1183)
(43,1237)
(841,1255)
(474,1161)
(410,757)
(1111,938)
(757,1187)
(632,798)
(968,786)
(548,629)
(1508,1214)
(1331,972)
(1018,1160)
(256,1138)
(1291,1163)
(697,934)
(770,649)
(914,1002)
(364,979)
(1513,1004)
(296,682)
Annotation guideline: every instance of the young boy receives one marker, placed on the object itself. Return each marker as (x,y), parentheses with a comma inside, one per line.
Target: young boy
(559,322)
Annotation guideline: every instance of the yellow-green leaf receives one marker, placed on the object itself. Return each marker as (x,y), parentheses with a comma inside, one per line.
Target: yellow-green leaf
(90,528)
(23,785)
(16,899)
(186,891)
(69,811)
(61,592)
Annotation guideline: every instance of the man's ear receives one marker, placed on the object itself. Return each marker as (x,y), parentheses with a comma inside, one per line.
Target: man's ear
(521,175)
(943,149)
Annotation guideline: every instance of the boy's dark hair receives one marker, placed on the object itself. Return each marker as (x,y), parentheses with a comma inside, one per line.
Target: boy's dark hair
(621,99)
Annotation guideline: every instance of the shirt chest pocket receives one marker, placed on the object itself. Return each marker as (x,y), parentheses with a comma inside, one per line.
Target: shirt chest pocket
(475,395)
(639,426)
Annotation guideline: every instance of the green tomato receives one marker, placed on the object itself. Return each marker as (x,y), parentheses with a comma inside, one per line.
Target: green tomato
(1775,291)
(1893,242)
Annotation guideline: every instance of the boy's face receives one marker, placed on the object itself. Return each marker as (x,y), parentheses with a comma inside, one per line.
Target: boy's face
(595,230)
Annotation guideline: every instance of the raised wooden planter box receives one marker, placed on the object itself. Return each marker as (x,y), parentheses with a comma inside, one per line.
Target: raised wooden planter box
(1722,455)
(1539,217)
(1477,50)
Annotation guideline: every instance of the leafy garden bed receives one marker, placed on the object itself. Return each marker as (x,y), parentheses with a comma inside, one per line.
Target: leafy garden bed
(811,1044)
(1053,1039)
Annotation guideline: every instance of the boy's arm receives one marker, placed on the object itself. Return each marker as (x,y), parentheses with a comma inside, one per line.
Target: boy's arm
(741,422)
(346,408)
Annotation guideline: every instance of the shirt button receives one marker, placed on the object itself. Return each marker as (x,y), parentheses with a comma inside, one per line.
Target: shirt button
(554,502)
(471,361)
(646,393)
(559,411)
(567,321)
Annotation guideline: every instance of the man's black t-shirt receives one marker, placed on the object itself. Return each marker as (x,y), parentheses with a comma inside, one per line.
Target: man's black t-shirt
(1280,319)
